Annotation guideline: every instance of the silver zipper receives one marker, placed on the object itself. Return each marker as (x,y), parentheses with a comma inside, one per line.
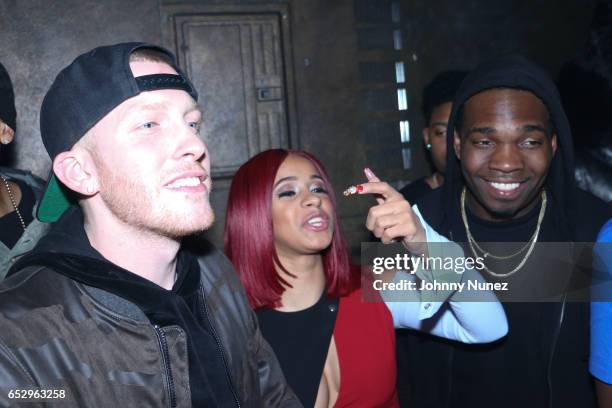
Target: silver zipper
(163,345)
(552,353)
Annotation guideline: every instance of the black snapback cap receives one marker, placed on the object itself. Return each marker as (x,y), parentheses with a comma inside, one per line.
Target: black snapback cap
(82,94)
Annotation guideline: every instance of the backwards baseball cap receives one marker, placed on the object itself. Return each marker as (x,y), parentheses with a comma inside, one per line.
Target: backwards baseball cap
(82,94)
(8,114)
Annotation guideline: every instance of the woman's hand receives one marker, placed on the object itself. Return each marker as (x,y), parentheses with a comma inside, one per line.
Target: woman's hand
(392,219)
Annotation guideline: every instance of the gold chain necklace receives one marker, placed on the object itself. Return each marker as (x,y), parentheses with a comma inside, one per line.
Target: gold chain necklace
(530,245)
(13,202)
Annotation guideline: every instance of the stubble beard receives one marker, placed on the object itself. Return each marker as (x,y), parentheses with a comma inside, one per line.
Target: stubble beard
(146,209)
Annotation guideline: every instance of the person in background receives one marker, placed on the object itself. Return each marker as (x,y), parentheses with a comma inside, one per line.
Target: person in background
(585,85)
(437,104)
(20,190)
(283,236)
(600,361)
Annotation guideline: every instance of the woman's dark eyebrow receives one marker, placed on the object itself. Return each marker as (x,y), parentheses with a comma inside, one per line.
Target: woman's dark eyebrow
(285,179)
(293,178)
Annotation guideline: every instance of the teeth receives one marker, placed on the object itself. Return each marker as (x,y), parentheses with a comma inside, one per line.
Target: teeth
(315,221)
(185,182)
(505,186)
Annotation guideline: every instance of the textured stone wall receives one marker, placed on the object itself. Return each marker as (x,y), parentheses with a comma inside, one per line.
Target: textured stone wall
(39,37)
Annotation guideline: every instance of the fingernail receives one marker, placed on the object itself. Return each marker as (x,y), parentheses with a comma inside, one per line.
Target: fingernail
(369,172)
(360,188)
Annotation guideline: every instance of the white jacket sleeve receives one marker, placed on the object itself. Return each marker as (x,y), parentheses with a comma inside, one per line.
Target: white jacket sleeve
(440,313)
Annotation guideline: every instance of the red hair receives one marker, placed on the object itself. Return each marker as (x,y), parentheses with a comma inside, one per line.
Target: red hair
(249,235)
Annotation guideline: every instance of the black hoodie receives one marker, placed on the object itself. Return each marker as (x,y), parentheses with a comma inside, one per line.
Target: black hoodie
(543,362)
(578,215)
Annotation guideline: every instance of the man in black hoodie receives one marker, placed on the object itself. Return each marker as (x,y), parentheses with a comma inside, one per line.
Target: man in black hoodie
(510,180)
(111,308)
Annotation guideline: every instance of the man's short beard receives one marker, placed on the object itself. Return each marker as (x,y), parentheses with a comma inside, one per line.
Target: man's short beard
(133,204)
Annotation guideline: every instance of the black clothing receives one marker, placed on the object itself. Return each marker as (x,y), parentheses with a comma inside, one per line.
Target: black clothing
(10,225)
(471,366)
(594,171)
(403,338)
(8,114)
(103,350)
(543,362)
(415,190)
(67,248)
(585,84)
(301,340)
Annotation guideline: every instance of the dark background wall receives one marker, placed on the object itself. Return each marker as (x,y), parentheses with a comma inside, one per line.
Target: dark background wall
(331,44)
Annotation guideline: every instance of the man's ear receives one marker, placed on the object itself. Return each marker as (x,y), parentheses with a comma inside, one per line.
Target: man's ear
(76,170)
(457,144)
(6,133)
(553,143)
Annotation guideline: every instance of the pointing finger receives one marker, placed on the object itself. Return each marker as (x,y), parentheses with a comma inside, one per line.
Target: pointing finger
(373,178)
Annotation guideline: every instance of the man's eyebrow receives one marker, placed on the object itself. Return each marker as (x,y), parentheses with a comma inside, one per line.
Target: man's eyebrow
(157,106)
(151,106)
(484,129)
(439,124)
(533,128)
(196,107)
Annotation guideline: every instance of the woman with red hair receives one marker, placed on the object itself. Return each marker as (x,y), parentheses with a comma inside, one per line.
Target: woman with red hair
(283,237)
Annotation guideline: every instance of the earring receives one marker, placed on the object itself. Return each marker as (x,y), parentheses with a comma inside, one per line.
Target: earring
(428,146)
(90,189)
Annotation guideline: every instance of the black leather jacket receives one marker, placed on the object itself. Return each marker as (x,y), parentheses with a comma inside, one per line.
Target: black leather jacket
(594,171)
(58,334)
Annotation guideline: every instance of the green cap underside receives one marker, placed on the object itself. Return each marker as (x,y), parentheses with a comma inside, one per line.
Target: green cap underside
(54,202)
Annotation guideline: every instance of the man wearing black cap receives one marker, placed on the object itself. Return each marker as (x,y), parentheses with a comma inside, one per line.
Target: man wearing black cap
(111,308)
(19,190)
(511,180)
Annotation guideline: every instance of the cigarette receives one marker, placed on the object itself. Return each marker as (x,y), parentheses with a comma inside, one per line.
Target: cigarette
(350,191)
